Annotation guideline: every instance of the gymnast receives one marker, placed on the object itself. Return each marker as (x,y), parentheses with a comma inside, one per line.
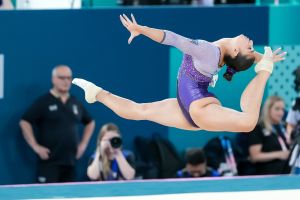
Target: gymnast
(195,108)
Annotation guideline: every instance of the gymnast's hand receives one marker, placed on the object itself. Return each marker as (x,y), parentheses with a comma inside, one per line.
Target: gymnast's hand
(275,56)
(268,60)
(131,26)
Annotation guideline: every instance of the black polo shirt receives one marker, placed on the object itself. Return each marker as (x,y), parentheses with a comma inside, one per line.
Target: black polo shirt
(270,143)
(57,126)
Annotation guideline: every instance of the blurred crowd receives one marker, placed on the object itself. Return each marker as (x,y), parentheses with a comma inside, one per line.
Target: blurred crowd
(27,4)
(50,127)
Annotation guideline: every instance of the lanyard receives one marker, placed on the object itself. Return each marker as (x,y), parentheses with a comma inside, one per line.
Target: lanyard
(280,136)
(229,156)
(114,170)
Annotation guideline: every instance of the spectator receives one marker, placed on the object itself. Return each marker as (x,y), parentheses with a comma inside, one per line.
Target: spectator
(6,5)
(154,2)
(268,148)
(56,115)
(293,117)
(109,161)
(196,166)
(234,1)
(202,2)
(222,155)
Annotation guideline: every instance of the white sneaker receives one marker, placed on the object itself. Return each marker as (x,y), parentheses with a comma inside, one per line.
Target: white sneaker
(90,89)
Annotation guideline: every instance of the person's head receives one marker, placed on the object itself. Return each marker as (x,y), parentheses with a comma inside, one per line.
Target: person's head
(272,112)
(62,78)
(239,57)
(195,162)
(110,135)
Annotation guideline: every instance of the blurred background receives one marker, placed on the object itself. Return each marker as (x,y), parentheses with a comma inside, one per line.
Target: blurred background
(87,36)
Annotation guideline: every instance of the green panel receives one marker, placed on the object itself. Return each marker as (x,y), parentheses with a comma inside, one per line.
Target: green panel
(284,25)
(175,61)
(228,93)
(279,2)
(101,3)
(272,2)
(281,82)
(284,32)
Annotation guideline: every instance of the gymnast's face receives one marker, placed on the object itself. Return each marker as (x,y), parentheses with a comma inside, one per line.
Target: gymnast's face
(61,79)
(276,112)
(244,46)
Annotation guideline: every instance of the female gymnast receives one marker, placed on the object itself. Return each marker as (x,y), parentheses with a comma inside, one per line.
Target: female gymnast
(195,108)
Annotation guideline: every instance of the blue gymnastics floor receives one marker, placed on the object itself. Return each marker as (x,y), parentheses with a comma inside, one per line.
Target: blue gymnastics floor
(158,188)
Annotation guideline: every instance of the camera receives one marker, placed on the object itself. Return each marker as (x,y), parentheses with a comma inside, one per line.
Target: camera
(116,142)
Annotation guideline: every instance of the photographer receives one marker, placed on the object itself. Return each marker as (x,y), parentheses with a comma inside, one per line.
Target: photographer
(110,162)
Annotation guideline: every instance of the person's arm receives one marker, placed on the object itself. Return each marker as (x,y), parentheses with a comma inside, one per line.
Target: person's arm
(127,171)
(257,155)
(154,34)
(27,132)
(184,44)
(255,139)
(87,134)
(93,170)
(289,130)
(135,29)
(291,121)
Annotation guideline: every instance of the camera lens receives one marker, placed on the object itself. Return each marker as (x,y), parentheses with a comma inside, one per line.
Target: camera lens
(116,142)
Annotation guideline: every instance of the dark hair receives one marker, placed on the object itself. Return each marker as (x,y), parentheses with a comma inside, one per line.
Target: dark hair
(236,64)
(195,156)
(296,73)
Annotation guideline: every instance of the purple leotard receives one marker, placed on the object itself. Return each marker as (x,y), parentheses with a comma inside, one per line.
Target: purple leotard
(200,63)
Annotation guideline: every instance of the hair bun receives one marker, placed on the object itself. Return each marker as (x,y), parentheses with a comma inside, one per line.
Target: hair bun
(227,76)
(229,73)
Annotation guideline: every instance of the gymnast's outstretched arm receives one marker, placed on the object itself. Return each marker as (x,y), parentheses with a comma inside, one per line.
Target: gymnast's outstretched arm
(135,29)
(184,44)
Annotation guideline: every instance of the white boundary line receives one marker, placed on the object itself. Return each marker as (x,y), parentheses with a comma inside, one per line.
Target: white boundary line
(246,195)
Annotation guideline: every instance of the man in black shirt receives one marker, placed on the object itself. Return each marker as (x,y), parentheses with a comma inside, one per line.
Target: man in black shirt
(56,117)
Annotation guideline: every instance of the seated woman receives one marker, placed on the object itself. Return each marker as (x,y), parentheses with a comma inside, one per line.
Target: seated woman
(110,162)
(268,148)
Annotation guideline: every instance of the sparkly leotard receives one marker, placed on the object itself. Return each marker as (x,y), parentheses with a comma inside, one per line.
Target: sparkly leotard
(200,63)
